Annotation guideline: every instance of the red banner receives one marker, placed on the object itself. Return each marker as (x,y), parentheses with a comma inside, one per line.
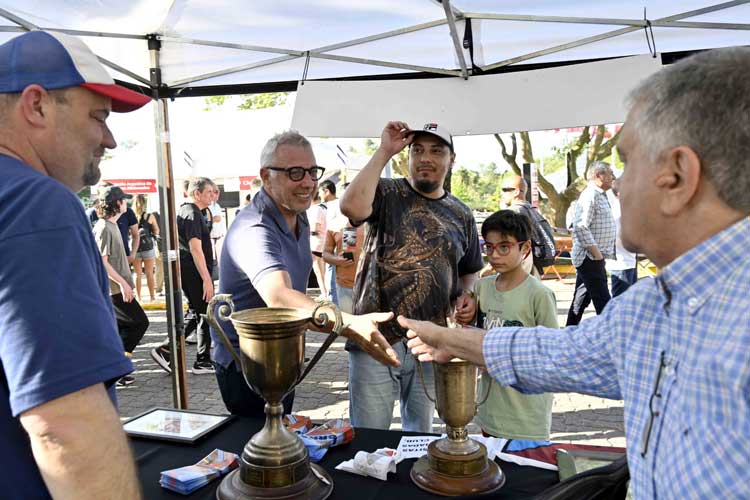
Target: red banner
(246,182)
(135,186)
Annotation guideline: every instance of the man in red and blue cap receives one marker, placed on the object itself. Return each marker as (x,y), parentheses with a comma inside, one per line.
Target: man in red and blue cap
(59,349)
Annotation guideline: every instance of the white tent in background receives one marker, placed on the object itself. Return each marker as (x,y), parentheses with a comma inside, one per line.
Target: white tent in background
(440,50)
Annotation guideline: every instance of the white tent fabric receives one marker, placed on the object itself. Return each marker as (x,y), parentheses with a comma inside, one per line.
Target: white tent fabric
(205,42)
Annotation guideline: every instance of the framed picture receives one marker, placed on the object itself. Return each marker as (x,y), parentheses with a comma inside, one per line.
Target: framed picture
(171,424)
(571,462)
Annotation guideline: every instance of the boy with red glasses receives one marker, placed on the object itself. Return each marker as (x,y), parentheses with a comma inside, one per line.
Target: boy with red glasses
(512,298)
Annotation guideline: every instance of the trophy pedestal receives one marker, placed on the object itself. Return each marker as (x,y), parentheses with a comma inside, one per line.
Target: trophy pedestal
(310,487)
(454,475)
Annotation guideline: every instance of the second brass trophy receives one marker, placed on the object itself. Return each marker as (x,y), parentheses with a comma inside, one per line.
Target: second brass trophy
(275,463)
(456,464)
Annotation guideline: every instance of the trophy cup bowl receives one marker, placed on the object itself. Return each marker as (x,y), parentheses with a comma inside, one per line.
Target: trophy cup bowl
(275,463)
(456,464)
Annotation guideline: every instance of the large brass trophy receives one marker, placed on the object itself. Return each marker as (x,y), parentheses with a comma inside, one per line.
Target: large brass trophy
(274,463)
(456,464)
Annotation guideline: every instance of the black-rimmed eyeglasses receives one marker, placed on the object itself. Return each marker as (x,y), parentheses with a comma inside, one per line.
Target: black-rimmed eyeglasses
(298,173)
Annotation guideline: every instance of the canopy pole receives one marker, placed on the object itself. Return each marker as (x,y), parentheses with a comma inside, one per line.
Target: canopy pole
(168,230)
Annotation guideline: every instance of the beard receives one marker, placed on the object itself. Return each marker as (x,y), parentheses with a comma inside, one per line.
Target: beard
(91,174)
(426,186)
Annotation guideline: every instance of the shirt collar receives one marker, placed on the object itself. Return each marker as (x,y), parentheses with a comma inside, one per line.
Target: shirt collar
(698,271)
(266,204)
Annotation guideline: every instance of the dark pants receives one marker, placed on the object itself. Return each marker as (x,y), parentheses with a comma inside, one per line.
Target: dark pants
(237,395)
(192,287)
(591,284)
(132,322)
(621,280)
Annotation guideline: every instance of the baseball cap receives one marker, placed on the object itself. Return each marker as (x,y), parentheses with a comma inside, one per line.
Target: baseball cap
(59,61)
(113,193)
(438,131)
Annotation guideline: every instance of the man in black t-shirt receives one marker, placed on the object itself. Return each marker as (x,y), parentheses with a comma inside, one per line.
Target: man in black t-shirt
(196,265)
(419,259)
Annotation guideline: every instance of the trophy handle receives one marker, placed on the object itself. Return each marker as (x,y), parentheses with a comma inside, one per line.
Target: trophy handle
(421,377)
(224,307)
(486,394)
(321,320)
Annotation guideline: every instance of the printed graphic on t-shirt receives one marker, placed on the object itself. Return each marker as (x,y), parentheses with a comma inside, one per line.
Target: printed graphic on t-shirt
(349,238)
(494,319)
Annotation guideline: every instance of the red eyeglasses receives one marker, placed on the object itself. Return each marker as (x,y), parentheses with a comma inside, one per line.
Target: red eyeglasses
(503,249)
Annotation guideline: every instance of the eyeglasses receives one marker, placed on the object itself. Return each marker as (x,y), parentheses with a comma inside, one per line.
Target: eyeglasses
(654,413)
(508,189)
(298,173)
(502,248)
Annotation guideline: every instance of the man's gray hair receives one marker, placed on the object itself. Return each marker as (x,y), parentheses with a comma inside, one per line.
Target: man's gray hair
(199,184)
(286,138)
(702,102)
(598,168)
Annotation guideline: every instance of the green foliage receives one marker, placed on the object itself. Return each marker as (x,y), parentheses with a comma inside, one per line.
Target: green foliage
(249,101)
(479,189)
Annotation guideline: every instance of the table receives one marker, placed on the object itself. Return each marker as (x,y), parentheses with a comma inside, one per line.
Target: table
(153,456)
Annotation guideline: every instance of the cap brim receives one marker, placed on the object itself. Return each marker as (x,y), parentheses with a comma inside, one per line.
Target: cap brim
(124,100)
(433,134)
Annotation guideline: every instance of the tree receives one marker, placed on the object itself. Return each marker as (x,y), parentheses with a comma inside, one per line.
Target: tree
(249,101)
(592,137)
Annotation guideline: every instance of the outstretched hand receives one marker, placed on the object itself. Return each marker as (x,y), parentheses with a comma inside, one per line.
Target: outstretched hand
(395,137)
(426,340)
(363,330)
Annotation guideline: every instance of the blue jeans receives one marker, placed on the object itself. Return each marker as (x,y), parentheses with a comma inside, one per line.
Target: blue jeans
(345,299)
(621,280)
(373,388)
(330,278)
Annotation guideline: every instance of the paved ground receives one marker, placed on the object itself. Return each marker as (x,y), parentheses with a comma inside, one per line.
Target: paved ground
(323,394)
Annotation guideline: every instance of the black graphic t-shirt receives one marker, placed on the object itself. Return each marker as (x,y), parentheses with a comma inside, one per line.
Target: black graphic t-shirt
(191,223)
(414,252)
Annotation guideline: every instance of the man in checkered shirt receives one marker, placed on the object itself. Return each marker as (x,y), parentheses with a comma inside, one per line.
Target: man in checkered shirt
(594,234)
(675,348)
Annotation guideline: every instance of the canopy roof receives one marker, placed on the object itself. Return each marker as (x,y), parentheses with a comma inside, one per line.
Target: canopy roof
(229,46)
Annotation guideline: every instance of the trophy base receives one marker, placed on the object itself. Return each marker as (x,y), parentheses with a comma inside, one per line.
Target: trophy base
(490,479)
(311,487)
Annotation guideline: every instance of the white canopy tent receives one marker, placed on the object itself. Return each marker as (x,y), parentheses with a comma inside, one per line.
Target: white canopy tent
(173,48)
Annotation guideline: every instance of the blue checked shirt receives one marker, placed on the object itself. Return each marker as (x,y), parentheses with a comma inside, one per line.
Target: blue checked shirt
(593,224)
(677,349)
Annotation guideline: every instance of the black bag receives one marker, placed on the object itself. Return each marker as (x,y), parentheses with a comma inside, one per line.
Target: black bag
(542,239)
(146,235)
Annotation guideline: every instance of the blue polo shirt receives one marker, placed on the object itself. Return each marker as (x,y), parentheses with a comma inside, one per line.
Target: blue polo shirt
(57,326)
(258,242)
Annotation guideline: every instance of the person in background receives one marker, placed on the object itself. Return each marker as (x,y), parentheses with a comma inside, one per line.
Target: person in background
(145,256)
(159,278)
(218,228)
(327,192)
(59,349)
(593,241)
(622,269)
(316,216)
(343,244)
(128,224)
(132,322)
(195,272)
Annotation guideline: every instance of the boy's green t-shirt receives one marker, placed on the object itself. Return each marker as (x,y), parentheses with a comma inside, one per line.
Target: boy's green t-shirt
(507,412)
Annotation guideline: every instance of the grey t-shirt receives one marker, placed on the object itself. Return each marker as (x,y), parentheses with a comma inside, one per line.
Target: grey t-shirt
(109,241)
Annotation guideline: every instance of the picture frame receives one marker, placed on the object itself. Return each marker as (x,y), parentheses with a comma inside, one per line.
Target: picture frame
(571,462)
(173,424)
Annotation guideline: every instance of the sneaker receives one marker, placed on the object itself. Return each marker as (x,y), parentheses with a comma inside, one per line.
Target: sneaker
(192,338)
(125,381)
(203,367)
(162,356)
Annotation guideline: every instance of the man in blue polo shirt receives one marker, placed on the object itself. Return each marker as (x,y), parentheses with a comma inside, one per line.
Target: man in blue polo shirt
(60,354)
(266,262)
